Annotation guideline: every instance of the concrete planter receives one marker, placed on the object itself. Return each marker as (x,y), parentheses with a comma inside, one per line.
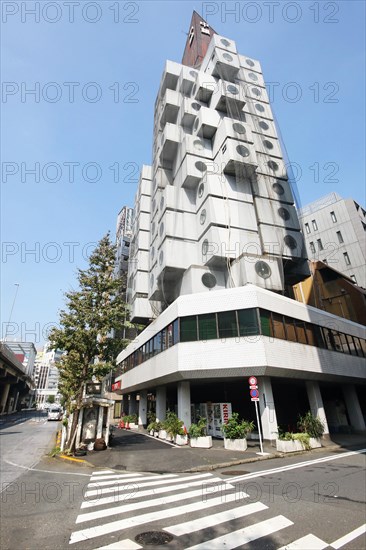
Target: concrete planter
(235,444)
(151,432)
(162,434)
(295,445)
(133,426)
(181,440)
(155,434)
(169,437)
(204,442)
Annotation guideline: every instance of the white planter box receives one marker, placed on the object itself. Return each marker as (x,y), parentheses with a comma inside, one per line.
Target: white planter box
(169,437)
(235,444)
(293,446)
(156,434)
(162,434)
(201,442)
(181,440)
(133,426)
(151,432)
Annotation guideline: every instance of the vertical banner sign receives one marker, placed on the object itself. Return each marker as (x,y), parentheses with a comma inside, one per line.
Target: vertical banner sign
(254,396)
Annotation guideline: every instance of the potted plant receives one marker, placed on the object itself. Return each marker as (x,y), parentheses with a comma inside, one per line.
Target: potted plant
(134,419)
(311,430)
(127,420)
(198,435)
(313,426)
(153,428)
(235,432)
(174,428)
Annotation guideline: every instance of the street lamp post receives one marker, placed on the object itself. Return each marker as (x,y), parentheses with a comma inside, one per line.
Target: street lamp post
(11,311)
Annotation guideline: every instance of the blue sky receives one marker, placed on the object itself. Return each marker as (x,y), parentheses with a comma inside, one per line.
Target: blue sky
(115,64)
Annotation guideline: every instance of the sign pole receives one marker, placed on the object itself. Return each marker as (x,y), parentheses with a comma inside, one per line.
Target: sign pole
(259,426)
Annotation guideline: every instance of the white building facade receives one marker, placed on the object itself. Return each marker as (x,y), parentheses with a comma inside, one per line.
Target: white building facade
(216,246)
(335,232)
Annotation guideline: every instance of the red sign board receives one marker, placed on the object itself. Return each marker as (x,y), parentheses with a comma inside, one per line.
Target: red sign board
(254,393)
(116,386)
(252,381)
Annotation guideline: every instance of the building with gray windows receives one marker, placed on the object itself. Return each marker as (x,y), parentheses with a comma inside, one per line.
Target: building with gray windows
(335,233)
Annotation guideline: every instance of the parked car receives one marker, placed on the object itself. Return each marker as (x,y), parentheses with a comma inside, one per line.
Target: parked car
(54,414)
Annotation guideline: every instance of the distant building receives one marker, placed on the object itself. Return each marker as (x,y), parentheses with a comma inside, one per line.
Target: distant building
(335,233)
(123,238)
(46,375)
(16,384)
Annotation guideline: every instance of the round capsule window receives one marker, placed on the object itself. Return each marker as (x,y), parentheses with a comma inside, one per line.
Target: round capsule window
(259,107)
(232,89)
(152,253)
(208,280)
(253,76)
(268,144)
(154,204)
(161,229)
(228,57)
(263,125)
(201,166)
(198,145)
(277,188)
(196,106)
(243,151)
(272,165)
(250,62)
(225,42)
(201,190)
(161,203)
(196,124)
(151,281)
(193,73)
(256,91)
(153,228)
(263,269)
(161,257)
(239,128)
(203,217)
(284,213)
(290,242)
(194,89)
(205,247)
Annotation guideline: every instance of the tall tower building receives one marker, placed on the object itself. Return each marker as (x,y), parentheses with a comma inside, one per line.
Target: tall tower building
(215,210)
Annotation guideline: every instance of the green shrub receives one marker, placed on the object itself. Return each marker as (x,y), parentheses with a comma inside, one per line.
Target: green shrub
(134,418)
(151,417)
(199,429)
(173,425)
(311,425)
(154,426)
(237,429)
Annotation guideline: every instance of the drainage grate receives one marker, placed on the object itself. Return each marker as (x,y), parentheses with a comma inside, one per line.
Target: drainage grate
(234,473)
(153,538)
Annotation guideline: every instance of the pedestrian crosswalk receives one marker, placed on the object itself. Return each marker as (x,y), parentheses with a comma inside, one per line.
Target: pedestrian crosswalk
(200,511)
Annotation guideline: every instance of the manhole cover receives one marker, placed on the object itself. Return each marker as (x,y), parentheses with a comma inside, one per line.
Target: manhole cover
(234,473)
(119,467)
(153,538)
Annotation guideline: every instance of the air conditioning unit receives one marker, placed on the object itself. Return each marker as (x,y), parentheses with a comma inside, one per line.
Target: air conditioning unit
(272,188)
(278,213)
(237,158)
(206,122)
(228,98)
(202,279)
(234,129)
(262,271)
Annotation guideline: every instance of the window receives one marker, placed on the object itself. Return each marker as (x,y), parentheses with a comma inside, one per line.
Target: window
(307,228)
(346,258)
(290,329)
(266,323)
(227,324)
(334,217)
(278,326)
(320,244)
(207,326)
(188,329)
(312,247)
(300,331)
(315,225)
(248,322)
(340,238)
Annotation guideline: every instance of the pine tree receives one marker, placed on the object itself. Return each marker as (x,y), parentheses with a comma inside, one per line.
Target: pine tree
(88,329)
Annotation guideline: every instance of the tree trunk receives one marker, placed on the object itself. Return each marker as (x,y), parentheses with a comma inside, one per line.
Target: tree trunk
(74,426)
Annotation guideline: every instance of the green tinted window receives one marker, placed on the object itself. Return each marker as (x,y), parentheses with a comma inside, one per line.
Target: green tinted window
(207,326)
(266,323)
(227,324)
(188,329)
(248,322)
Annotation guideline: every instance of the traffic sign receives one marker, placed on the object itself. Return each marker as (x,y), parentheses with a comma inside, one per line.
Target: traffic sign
(253,387)
(254,393)
(252,381)
(255,399)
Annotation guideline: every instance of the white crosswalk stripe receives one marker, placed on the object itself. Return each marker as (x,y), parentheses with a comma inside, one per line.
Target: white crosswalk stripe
(203,505)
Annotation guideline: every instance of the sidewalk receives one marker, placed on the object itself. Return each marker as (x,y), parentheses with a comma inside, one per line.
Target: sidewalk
(135,451)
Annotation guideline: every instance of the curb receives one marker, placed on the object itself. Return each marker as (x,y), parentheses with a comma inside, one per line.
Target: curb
(80,461)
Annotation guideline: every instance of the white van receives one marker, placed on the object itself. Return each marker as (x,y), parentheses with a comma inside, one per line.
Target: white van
(54,413)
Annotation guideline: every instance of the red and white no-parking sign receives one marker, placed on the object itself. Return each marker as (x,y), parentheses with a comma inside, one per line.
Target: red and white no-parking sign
(252,381)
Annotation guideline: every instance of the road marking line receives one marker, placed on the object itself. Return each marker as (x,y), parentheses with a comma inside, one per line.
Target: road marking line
(118,487)
(294,466)
(310,542)
(140,505)
(30,469)
(114,476)
(100,472)
(134,521)
(243,536)
(116,482)
(347,538)
(151,492)
(126,544)
(215,519)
